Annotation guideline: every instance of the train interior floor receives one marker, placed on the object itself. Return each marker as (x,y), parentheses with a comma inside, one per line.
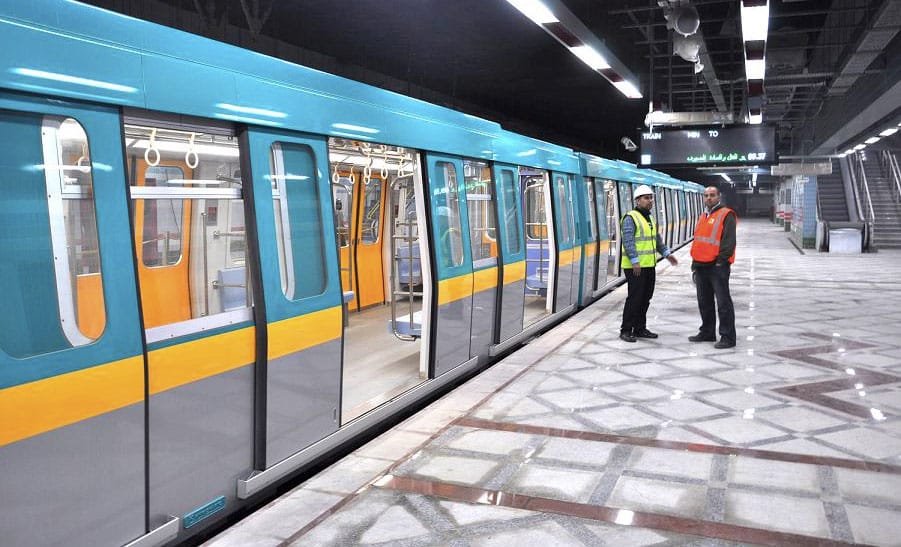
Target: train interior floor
(793,437)
(378,366)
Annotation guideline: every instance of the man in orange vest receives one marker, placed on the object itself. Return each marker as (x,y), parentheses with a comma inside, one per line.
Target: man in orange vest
(712,253)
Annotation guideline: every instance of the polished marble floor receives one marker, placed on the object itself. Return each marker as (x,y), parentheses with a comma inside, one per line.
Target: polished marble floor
(793,437)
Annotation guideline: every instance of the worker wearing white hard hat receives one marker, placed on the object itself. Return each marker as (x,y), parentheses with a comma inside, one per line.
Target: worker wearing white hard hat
(640,245)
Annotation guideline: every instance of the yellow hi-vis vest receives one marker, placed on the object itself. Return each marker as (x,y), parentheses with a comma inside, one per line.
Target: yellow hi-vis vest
(645,242)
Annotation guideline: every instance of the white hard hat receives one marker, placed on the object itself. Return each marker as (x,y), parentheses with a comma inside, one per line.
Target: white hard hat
(643,190)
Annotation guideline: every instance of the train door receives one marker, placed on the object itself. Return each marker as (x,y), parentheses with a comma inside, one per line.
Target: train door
(588,213)
(481,211)
(453,257)
(162,236)
(513,254)
(613,228)
(684,215)
(190,241)
(300,303)
(71,361)
(606,231)
(626,204)
(344,200)
(382,350)
(659,212)
(565,236)
(541,256)
(369,227)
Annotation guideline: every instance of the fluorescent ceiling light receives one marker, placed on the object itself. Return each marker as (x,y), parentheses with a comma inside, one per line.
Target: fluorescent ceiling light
(534,10)
(755,69)
(627,89)
(872,140)
(849,151)
(590,57)
(755,119)
(754,22)
(889,132)
(860,147)
(725,176)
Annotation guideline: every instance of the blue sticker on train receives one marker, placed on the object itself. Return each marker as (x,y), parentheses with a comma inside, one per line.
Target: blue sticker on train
(204,511)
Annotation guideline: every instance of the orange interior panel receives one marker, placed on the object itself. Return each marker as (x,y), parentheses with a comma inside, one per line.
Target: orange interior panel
(89,299)
(165,292)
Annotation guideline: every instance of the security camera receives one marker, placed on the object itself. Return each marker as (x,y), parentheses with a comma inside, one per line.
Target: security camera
(629,144)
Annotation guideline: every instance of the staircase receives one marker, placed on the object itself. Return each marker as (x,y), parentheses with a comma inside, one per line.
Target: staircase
(887,227)
(831,197)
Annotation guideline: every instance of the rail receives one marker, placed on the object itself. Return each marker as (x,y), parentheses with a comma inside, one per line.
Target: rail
(404,235)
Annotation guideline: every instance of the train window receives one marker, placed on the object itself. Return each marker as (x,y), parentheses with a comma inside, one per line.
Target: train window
(566,216)
(162,219)
(612,228)
(189,226)
(370,226)
(511,212)
(592,219)
(48,237)
(448,218)
(342,198)
(480,208)
(535,202)
(295,197)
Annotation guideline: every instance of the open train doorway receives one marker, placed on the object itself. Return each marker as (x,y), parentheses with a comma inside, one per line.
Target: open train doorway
(379,216)
(540,246)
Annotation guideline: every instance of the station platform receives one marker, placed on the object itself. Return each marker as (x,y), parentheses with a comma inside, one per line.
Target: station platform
(793,437)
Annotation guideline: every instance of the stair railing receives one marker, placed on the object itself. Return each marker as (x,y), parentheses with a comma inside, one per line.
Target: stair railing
(891,162)
(862,190)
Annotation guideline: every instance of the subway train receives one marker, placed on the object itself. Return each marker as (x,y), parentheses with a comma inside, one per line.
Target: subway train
(221,267)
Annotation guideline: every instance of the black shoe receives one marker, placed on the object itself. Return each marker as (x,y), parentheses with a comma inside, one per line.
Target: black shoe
(702,338)
(626,337)
(645,333)
(723,344)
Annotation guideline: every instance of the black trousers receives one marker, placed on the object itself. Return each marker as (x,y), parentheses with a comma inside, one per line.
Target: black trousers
(641,289)
(712,283)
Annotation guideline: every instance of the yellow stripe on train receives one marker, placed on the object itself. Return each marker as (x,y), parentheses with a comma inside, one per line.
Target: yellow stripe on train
(514,272)
(37,407)
(188,362)
(305,331)
(483,280)
(455,288)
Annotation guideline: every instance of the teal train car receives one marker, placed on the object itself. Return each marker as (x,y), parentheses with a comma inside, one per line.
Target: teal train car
(220,268)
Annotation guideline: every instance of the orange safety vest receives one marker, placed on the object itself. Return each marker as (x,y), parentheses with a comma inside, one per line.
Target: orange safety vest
(708,233)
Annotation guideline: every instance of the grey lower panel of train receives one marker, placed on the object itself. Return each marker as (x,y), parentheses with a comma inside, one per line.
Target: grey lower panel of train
(201,441)
(563,287)
(483,313)
(454,325)
(51,475)
(512,308)
(303,398)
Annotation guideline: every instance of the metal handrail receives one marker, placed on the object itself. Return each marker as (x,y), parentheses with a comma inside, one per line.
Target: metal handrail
(892,162)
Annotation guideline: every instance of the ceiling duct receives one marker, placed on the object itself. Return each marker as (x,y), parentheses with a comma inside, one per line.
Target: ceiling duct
(685,20)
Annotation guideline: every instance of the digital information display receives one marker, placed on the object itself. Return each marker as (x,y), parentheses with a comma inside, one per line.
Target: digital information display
(735,145)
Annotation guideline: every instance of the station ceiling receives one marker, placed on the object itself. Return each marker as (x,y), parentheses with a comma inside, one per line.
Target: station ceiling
(485,58)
